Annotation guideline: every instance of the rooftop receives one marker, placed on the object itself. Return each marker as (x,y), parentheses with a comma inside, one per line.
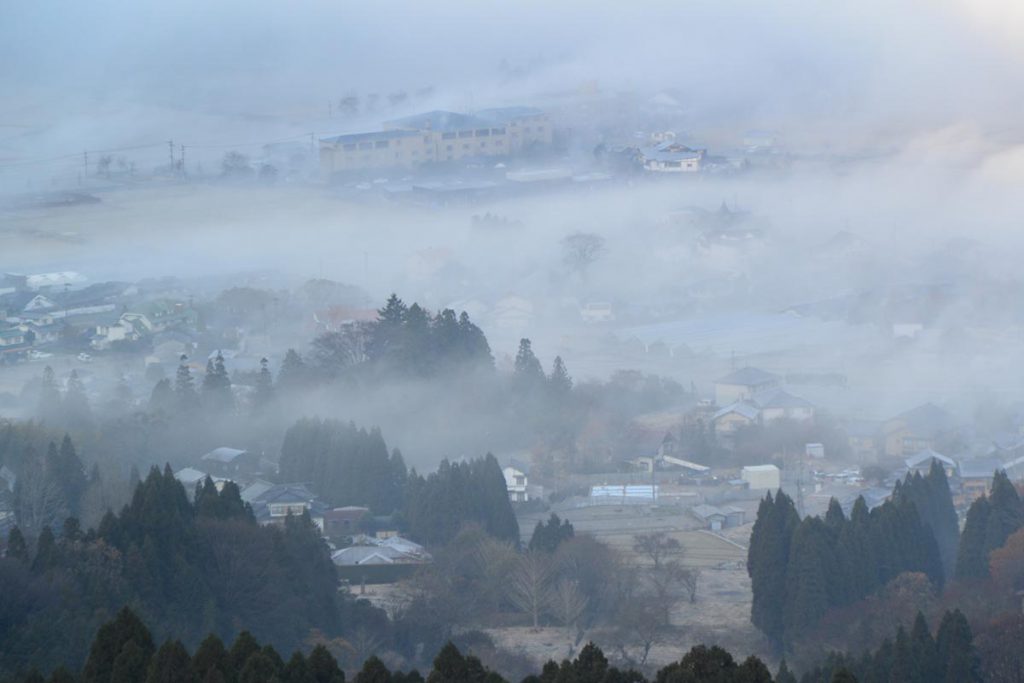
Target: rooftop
(748,377)
(224,454)
(374,136)
(439,120)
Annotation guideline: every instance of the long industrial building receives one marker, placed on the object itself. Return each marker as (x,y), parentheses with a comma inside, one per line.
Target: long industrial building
(437,136)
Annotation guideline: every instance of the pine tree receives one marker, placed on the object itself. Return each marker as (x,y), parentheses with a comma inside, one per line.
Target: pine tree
(784,675)
(263,395)
(184,387)
(1005,516)
(957,659)
(17,548)
(49,407)
(767,562)
(217,394)
(807,593)
(476,350)
(77,412)
(211,656)
(297,670)
(972,561)
(162,399)
(324,666)
(373,671)
(171,664)
(71,475)
(121,648)
(559,381)
(528,373)
(293,374)
(46,551)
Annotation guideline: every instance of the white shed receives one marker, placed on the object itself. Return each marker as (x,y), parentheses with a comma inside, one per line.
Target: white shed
(762,476)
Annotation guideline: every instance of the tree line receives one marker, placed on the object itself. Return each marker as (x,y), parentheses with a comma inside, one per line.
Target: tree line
(190,567)
(802,568)
(124,651)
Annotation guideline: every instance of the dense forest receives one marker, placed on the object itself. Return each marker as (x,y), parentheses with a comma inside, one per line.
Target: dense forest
(823,582)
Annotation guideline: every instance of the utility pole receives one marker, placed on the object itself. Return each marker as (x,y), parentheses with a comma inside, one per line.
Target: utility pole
(312,144)
(183,161)
(85,163)
(170,150)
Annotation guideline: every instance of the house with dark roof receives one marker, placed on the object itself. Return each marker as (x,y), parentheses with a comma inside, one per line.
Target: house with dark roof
(976,478)
(275,504)
(916,430)
(235,463)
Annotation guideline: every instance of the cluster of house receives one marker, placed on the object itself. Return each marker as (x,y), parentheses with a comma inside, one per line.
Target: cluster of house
(381,558)
(437,136)
(37,311)
(750,396)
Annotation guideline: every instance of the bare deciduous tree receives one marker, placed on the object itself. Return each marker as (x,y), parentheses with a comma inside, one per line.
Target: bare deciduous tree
(529,584)
(568,604)
(581,249)
(38,499)
(658,547)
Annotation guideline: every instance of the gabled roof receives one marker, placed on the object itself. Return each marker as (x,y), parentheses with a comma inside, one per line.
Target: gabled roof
(925,457)
(748,377)
(286,493)
(707,511)
(779,398)
(744,408)
(926,419)
(224,454)
(979,468)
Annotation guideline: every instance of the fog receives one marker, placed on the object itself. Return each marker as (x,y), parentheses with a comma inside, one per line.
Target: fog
(898,126)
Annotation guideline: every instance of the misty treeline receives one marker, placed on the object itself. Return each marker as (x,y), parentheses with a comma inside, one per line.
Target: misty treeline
(188,567)
(124,650)
(346,465)
(838,582)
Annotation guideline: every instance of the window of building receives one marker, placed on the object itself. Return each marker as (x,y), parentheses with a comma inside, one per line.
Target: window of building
(465,145)
(381,144)
(483,143)
(448,147)
(465,133)
(365,145)
(483,132)
(446,136)
(497,131)
(499,143)
(350,147)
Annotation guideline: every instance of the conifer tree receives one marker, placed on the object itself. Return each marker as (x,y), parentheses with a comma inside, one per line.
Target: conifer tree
(971,562)
(171,664)
(957,659)
(528,372)
(324,666)
(263,395)
(122,647)
(1005,516)
(211,656)
(162,399)
(46,551)
(217,386)
(77,412)
(784,675)
(184,387)
(293,373)
(373,671)
(48,409)
(559,381)
(17,548)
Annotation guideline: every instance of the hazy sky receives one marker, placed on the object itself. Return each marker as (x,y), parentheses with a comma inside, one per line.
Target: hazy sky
(74,68)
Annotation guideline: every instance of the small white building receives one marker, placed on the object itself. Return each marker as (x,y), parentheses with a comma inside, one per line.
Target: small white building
(672,157)
(762,477)
(516,483)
